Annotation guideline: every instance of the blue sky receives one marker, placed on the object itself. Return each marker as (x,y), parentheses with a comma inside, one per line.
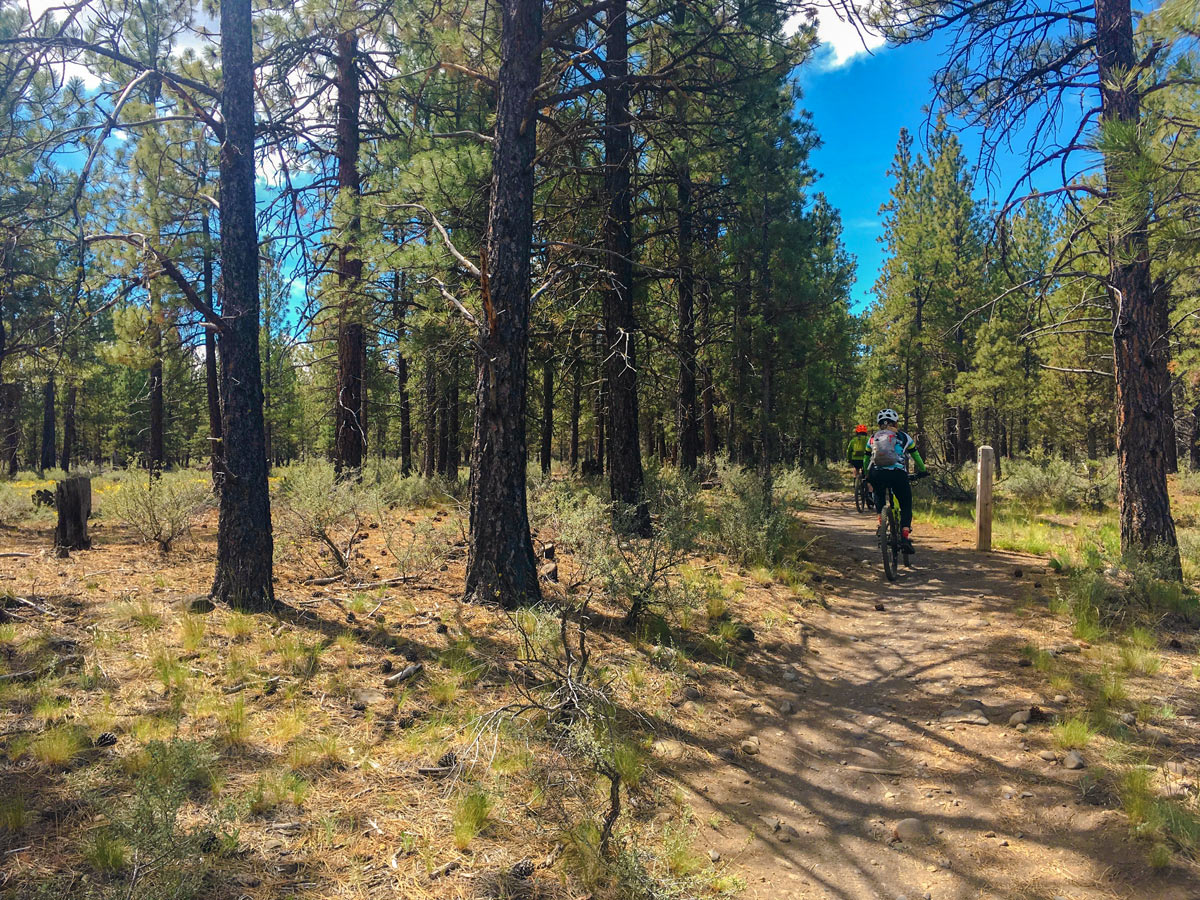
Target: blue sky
(859,101)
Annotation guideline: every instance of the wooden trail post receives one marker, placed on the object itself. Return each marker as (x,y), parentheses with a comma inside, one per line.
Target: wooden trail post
(73,500)
(983,499)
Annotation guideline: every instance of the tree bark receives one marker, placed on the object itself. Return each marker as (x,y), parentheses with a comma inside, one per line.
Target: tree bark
(400,306)
(11,423)
(244,541)
(767,401)
(156,453)
(350,443)
(1144,505)
(48,418)
(625,476)
(708,410)
(429,455)
(576,403)
(443,428)
(500,562)
(598,406)
(689,418)
(215,447)
(73,502)
(453,441)
(741,406)
(68,444)
(547,414)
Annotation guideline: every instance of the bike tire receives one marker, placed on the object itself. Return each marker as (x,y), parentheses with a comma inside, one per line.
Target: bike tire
(860,500)
(887,543)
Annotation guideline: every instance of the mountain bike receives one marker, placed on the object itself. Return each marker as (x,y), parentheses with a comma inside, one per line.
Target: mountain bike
(862,492)
(889,534)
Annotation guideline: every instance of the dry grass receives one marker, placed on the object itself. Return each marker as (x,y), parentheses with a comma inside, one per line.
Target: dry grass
(313,755)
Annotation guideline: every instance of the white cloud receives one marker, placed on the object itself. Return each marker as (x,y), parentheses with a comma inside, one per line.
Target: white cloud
(68,68)
(841,40)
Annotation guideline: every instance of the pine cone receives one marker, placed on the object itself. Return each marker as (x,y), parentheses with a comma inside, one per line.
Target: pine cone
(106,739)
(523,869)
(448,759)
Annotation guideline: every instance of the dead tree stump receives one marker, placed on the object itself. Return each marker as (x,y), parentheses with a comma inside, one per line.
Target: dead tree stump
(73,500)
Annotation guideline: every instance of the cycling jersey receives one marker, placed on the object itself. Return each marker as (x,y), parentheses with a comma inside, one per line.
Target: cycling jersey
(857,450)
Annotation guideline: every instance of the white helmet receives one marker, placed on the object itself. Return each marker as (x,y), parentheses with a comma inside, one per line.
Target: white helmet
(887,415)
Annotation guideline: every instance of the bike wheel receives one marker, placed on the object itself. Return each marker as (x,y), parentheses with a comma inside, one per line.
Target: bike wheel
(859,493)
(887,545)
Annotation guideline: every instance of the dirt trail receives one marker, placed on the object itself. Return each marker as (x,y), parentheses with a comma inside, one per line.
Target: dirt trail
(811,814)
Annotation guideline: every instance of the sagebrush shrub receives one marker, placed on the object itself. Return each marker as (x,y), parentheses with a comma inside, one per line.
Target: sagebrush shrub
(15,504)
(159,508)
(411,491)
(752,527)
(313,504)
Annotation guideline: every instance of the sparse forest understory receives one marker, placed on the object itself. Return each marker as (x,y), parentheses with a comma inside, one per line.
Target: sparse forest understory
(455,384)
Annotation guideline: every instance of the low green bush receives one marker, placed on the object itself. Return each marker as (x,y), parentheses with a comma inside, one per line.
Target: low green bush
(159,508)
(752,527)
(1054,482)
(313,504)
(15,504)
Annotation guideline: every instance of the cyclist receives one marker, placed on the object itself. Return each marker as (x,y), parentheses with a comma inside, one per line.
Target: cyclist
(890,448)
(857,452)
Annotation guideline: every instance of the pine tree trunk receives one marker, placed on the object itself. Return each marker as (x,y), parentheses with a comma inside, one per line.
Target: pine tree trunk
(401,308)
(625,477)
(443,429)
(68,444)
(740,407)
(707,401)
(11,427)
(547,414)
(500,563)
(244,541)
(1144,505)
(598,407)
(576,404)
(689,418)
(429,456)
(453,442)
(1162,358)
(48,418)
(350,443)
(767,364)
(216,449)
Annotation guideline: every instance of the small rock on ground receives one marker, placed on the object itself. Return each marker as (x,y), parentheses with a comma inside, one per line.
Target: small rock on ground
(909,831)
(1074,760)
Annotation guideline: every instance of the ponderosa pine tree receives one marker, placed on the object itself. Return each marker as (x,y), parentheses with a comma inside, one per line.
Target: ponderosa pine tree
(500,562)
(1017,63)
(244,541)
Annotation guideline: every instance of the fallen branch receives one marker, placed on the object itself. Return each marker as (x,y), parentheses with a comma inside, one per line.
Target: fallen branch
(404,674)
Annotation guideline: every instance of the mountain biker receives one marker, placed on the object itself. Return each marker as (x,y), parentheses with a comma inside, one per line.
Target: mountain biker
(856,449)
(890,448)
(857,452)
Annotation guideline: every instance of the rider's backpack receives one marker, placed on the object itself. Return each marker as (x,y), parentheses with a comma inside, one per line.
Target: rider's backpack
(887,449)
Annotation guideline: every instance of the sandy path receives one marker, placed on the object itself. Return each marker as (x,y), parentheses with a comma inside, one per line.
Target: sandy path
(811,814)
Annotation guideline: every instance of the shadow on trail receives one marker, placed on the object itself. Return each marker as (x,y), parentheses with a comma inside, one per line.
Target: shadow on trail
(867,745)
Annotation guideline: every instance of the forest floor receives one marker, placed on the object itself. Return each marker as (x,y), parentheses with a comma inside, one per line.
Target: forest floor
(779,767)
(900,698)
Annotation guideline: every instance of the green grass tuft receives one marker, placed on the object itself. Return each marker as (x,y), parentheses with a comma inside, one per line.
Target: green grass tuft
(471,813)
